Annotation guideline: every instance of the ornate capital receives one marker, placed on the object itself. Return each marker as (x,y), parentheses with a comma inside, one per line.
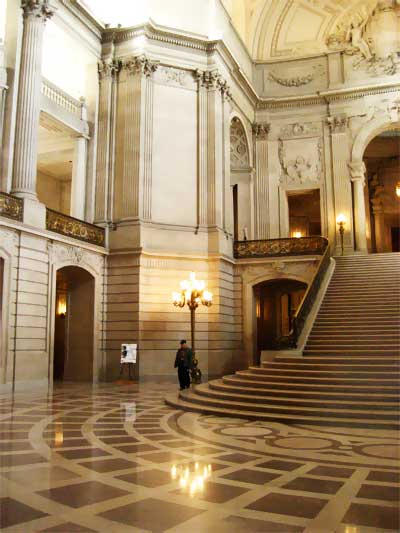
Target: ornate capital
(211,79)
(139,65)
(357,171)
(261,129)
(37,8)
(108,68)
(338,123)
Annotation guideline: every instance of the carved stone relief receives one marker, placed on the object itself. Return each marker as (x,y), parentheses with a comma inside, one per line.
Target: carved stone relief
(239,149)
(8,239)
(338,123)
(317,71)
(212,79)
(298,130)
(61,253)
(368,36)
(301,161)
(174,76)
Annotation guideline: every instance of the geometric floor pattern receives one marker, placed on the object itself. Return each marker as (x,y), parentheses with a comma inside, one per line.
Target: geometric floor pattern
(117,459)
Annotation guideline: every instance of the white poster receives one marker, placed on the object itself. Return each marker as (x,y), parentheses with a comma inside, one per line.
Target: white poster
(128,353)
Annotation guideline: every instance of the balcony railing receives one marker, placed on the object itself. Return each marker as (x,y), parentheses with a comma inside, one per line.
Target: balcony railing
(64,100)
(11,207)
(280,247)
(72,227)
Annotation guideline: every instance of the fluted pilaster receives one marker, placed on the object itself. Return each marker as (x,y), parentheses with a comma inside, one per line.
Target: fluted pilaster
(35,14)
(261,229)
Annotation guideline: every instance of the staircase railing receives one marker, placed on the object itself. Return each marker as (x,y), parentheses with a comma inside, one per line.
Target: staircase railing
(306,304)
(279,247)
(11,206)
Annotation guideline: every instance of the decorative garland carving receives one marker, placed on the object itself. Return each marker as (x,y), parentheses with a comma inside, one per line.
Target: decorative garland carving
(299,130)
(297,81)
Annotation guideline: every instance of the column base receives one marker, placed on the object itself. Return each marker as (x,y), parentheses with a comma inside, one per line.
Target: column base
(34,213)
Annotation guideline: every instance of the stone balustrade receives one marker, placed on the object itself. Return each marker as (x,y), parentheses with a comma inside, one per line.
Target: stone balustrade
(62,99)
(280,247)
(11,207)
(72,227)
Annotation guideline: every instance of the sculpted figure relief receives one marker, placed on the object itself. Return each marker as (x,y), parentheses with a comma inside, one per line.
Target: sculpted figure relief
(302,168)
(369,35)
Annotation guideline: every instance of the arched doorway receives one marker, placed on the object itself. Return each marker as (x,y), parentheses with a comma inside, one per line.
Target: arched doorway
(74,325)
(276,303)
(382,162)
(240,181)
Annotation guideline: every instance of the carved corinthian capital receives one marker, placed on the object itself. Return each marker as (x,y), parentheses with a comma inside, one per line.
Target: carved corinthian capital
(261,129)
(37,8)
(338,123)
(357,171)
(108,68)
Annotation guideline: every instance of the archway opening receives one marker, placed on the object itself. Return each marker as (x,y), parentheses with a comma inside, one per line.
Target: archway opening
(382,200)
(240,181)
(304,213)
(74,325)
(276,304)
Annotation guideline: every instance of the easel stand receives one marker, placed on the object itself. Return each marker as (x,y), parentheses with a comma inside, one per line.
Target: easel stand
(130,367)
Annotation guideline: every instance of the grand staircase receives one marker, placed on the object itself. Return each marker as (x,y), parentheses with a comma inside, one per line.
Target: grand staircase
(349,373)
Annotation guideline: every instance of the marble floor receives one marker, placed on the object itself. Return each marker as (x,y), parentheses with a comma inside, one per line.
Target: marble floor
(117,459)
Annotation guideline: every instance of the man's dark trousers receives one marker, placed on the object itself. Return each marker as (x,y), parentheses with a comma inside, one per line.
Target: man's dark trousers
(184,377)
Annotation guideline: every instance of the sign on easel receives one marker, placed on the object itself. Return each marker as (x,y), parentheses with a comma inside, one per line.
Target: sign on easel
(128,356)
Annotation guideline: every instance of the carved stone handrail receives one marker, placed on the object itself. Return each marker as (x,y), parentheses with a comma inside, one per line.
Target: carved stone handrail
(61,98)
(280,247)
(307,302)
(11,206)
(73,227)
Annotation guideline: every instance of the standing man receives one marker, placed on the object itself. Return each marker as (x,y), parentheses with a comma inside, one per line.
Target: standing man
(183,361)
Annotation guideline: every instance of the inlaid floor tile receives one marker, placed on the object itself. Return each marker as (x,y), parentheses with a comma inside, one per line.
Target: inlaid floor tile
(251,476)
(109,465)
(379,492)
(82,453)
(81,494)
(331,471)
(147,478)
(13,512)
(238,457)
(152,514)
(68,527)
(40,476)
(288,504)
(387,477)
(360,514)
(236,524)
(324,486)
(276,464)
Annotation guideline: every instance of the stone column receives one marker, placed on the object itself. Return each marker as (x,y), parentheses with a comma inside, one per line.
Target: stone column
(357,171)
(78,186)
(108,69)
(202,122)
(35,14)
(379,225)
(341,181)
(261,227)
(3,92)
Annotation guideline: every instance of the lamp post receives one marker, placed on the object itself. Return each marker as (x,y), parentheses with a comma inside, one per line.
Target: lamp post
(193,294)
(341,222)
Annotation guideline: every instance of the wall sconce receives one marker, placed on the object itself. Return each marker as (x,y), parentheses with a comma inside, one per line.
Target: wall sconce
(341,222)
(297,234)
(61,307)
(398,189)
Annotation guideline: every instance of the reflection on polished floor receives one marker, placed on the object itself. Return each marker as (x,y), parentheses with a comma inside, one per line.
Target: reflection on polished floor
(117,459)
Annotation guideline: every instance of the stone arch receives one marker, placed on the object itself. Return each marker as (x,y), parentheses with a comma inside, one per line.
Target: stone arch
(60,259)
(370,130)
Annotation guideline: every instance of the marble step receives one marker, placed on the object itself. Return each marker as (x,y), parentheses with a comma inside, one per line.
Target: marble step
(332,380)
(219,392)
(333,367)
(307,387)
(337,360)
(311,372)
(238,388)
(184,401)
(378,352)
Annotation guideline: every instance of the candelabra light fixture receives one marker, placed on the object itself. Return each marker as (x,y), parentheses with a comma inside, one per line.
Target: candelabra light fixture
(398,189)
(341,222)
(193,293)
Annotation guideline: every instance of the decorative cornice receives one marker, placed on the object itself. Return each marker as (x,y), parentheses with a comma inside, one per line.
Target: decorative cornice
(40,9)
(338,123)
(261,129)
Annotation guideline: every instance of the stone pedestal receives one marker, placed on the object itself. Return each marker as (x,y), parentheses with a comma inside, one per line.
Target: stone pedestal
(35,14)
